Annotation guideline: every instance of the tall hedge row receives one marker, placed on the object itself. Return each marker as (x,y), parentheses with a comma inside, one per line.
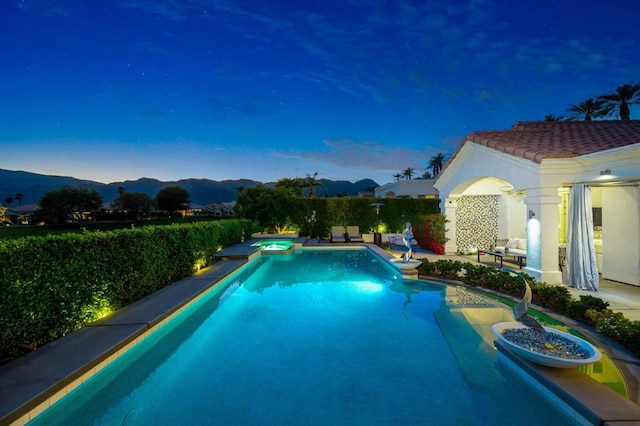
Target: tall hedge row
(50,286)
(356,211)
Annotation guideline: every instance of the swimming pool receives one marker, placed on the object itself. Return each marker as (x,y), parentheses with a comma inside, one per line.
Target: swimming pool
(314,337)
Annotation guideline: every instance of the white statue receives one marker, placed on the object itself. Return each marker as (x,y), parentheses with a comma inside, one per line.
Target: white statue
(407,237)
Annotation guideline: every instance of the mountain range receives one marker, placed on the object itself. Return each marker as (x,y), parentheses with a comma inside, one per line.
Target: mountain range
(201,191)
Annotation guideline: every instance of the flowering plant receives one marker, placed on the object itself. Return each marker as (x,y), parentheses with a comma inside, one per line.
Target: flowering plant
(431,235)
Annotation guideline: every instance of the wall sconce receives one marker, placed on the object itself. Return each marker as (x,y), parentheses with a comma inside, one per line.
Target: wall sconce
(532,214)
(606,172)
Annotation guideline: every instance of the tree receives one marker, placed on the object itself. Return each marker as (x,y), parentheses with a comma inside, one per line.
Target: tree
(311,183)
(551,117)
(273,209)
(426,175)
(397,177)
(173,199)
(69,204)
(620,100)
(408,173)
(121,190)
(589,109)
(436,163)
(295,185)
(19,197)
(8,200)
(137,204)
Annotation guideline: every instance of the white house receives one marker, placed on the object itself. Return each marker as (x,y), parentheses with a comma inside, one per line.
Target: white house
(516,183)
(415,188)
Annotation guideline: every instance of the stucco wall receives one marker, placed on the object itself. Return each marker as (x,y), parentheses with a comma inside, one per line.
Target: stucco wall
(515,217)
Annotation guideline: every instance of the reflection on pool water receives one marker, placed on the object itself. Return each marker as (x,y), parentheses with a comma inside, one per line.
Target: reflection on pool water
(315,337)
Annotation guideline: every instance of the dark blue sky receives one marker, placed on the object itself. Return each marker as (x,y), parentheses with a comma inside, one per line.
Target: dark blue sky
(351,89)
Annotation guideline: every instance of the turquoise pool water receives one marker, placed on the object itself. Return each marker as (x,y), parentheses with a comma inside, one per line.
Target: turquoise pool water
(274,244)
(317,337)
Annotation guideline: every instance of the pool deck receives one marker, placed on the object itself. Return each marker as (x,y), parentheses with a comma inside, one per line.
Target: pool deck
(31,383)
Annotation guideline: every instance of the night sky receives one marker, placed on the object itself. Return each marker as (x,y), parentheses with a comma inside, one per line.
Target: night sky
(259,89)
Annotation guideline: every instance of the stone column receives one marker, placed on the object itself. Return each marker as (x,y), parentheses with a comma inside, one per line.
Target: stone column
(449,208)
(542,234)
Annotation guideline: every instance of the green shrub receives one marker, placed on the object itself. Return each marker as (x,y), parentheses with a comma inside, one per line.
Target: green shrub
(429,231)
(52,285)
(554,297)
(577,309)
(314,216)
(449,269)
(615,326)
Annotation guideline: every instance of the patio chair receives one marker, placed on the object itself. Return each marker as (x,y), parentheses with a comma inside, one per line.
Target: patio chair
(354,235)
(337,234)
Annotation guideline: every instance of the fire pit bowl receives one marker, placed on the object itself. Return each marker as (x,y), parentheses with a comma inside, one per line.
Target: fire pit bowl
(578,351)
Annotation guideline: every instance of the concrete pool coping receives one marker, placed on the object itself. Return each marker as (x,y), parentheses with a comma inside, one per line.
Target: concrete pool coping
(578,395)
(35,381)
(32,383)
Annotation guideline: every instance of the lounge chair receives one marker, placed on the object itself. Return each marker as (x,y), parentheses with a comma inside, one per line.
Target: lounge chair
(337,234)
(354,235)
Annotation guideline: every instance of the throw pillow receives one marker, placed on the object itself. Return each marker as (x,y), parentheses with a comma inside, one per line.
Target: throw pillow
(512,243)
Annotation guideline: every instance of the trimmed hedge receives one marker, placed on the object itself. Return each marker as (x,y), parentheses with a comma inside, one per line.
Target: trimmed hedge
(53,285)
(347,211)
(588,309)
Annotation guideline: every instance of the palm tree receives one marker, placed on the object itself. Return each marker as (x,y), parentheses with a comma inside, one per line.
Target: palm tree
(8,200)
(19,197)
(408,173)
(551,117)
(121,190)
(397,177)
(312,183)
(435,163)
(426,175)
(624,96)
(590,109)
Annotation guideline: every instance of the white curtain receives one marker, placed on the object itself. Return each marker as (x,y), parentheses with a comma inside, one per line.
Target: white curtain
(580,269)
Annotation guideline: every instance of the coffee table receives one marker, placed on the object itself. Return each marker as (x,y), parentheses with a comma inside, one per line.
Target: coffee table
(496,255)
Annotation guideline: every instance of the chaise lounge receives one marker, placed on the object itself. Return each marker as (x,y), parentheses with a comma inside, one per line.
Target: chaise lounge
(337,234)
(354,235)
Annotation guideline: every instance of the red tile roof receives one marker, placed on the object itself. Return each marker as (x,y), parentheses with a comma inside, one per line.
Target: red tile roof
(538,140)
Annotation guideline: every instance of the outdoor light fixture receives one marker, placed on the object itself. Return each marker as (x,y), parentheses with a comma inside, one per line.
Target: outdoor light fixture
(377,206)
(532,214)
(377,238)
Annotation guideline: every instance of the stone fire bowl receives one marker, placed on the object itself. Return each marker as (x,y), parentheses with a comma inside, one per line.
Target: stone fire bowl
(544,359)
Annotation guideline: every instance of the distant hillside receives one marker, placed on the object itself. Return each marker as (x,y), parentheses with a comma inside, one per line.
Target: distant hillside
(202,191)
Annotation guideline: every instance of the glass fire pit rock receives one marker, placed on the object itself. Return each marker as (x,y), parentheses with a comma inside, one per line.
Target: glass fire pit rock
(567,350)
